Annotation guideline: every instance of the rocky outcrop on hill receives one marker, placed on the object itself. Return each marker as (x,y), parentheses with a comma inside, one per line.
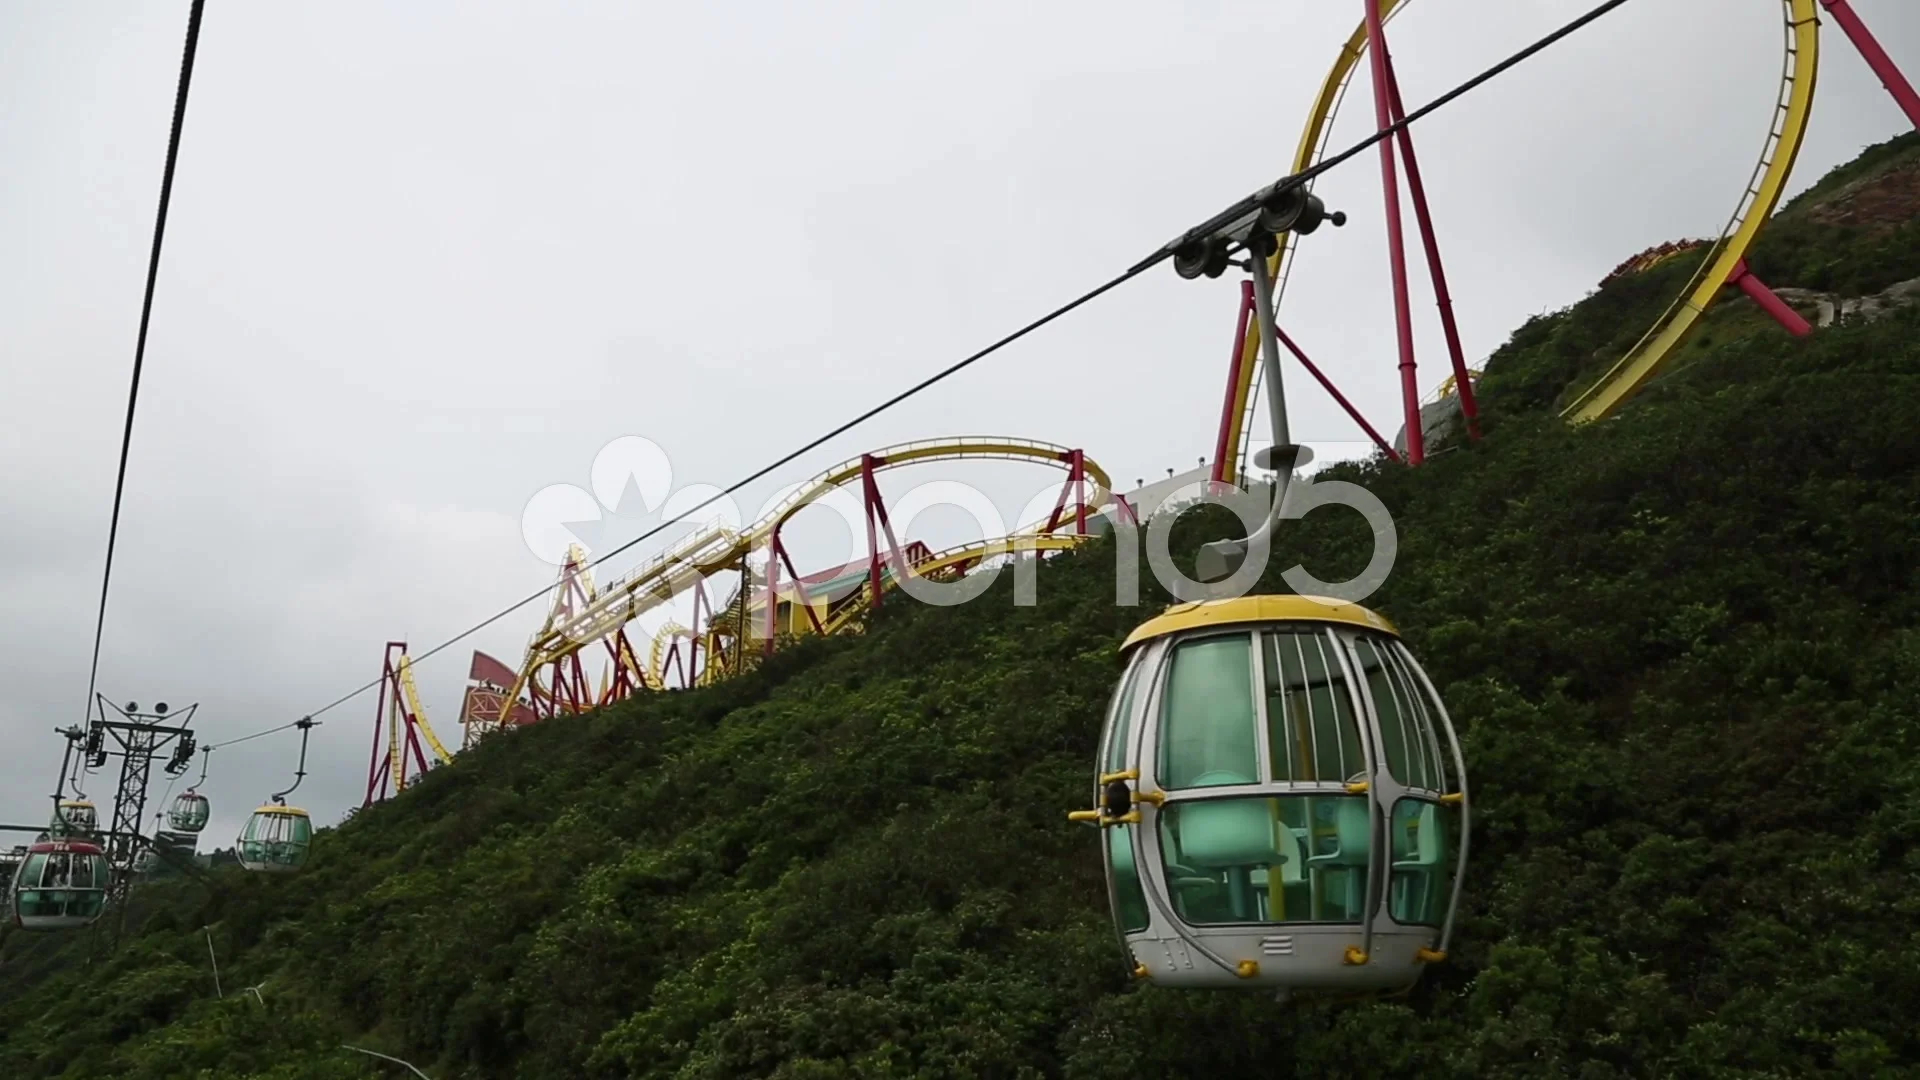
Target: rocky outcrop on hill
(1825,309)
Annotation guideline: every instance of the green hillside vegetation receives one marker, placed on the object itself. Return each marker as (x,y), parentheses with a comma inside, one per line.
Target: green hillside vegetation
(1554,357)
(1683,648)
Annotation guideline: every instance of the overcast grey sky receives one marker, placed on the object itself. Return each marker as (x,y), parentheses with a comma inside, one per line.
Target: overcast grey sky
(425,260)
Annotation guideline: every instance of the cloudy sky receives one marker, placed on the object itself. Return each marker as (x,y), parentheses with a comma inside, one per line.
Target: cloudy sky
(426,260)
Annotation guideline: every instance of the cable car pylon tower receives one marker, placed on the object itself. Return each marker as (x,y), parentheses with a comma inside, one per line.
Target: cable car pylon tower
(140,737)
(399,727)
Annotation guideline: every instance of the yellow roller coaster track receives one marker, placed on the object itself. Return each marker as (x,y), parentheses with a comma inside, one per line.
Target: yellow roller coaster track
(662,638)
(962,555)
(716,547)
(1793,108)
(440,755)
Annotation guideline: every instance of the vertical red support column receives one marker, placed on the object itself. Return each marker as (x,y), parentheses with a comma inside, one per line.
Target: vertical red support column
(1074,486)
(1769,303)
(1077,476)
(1423,217)
(628,678)
(390,709)
(374,765)
(1876,57)
(870,501)
(877,512)
(1231,411)
(1396,239)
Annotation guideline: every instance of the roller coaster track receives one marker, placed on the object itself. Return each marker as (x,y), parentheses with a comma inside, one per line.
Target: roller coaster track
(716,547)
(1792,111)
(927,451)
(956,560)
(662,638)
(420,720)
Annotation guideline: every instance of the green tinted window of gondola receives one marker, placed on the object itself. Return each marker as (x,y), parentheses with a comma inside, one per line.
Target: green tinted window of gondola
(61,885)
(1128,894)
(276,838)
(1311,730)
(1290,859)
(189,812)
(1408,744)
(1120,720)
(31,874)
(1423,836)
(1207,736)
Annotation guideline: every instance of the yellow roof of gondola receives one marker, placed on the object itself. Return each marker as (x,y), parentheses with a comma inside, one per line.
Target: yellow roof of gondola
(1256,609)
(280,811)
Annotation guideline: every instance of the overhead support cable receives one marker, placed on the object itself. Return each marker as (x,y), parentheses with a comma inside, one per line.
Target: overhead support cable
(140,344)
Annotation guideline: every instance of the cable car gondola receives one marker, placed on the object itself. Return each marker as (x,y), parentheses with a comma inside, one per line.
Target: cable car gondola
(189,812)
(75,818)
(60,885)
(277,837)
(190,809)
(1282,799)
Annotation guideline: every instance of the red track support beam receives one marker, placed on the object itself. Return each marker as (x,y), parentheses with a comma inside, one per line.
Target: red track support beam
(1313,370)
(799,585)
(1076,461)
(624,679)
(391,713)
(1423,216)
(901,566)
(1396,239)
(1231,410)
(869,496)
(391,702)
(1769,303)
(376,767)
(876,511)
(673,661)
(1876,57)
(1078,478)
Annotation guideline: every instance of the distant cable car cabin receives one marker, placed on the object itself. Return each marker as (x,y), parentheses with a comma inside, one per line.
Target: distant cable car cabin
(60,885)
(189,812)
(74,817)
(1300,797)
